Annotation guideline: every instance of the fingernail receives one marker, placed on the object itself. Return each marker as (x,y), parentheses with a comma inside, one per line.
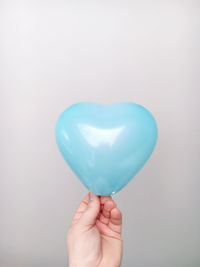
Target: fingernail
(89,197)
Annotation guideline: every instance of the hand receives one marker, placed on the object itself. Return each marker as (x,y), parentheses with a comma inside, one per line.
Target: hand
(94,237)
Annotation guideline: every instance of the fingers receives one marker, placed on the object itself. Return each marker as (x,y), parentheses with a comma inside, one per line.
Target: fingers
(115,222)
(102,209)
(111,216)
(103,199)
(104,215)
(89,216)
(108,206)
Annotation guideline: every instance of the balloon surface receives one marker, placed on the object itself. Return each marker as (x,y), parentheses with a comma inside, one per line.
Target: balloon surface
(106,145)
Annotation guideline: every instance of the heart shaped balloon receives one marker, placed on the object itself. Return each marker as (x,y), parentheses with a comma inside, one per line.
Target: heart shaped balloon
(106,145)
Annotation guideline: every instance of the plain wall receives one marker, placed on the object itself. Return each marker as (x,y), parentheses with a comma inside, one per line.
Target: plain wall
(58,52)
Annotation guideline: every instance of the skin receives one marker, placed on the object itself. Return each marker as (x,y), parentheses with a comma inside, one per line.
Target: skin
(94,237)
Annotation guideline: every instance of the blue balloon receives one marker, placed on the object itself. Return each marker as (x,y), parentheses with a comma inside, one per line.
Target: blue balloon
(106,145)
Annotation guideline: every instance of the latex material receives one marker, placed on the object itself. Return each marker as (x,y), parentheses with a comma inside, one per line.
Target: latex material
(106,145)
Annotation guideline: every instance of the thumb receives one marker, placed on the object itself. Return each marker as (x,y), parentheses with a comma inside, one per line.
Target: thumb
(90,215)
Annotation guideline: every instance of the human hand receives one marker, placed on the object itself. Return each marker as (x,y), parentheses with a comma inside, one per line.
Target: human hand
(94,237)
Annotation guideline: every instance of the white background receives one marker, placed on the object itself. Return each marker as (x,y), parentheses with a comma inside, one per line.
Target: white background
(55,53)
